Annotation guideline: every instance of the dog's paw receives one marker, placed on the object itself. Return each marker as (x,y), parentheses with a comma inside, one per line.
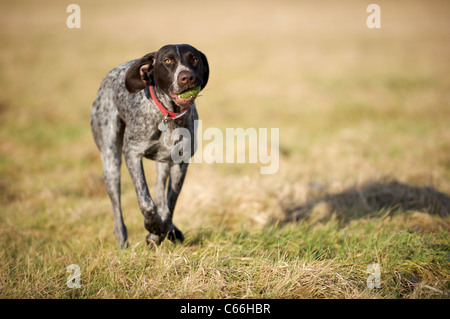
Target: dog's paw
(175,235)
(153,239)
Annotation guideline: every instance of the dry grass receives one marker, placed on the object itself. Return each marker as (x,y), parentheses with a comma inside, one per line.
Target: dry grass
(364,152)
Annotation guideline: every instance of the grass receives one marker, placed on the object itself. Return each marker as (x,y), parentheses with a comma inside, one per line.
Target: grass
(295,261)
(364,173)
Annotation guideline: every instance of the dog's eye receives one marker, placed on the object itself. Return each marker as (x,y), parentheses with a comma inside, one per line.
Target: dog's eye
(195,60)
(167,60)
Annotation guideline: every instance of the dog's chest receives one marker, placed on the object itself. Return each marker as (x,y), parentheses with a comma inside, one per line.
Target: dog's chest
(168,145)
(155,141)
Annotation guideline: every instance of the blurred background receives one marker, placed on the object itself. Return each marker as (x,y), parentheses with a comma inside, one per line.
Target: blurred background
(354,105)
(364,170)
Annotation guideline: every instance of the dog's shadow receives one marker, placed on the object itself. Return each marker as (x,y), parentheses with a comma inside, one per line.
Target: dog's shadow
(368,200)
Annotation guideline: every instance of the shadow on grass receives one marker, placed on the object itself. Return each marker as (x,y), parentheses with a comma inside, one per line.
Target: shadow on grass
(369,200)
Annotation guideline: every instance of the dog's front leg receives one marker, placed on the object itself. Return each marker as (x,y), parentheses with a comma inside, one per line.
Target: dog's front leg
(157,224)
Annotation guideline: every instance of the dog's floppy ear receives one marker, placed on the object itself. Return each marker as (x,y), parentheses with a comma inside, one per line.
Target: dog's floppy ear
(140,74)
(205,73)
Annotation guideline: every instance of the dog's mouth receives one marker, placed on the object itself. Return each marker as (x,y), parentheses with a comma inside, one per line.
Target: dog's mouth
(186,97)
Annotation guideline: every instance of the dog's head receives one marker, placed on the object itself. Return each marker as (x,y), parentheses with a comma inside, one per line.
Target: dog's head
(174,69)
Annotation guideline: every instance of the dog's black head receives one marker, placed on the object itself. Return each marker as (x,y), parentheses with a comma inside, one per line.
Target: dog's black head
(173,69)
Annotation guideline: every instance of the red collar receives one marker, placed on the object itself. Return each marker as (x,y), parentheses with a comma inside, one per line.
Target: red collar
(168,115)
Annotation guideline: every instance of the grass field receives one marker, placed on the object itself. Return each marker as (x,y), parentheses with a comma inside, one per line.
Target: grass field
(364,171)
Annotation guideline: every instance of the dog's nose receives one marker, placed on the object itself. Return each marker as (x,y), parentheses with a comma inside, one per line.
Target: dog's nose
(186,78)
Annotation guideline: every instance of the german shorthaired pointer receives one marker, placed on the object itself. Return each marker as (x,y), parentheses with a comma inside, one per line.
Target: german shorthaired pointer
(138,106)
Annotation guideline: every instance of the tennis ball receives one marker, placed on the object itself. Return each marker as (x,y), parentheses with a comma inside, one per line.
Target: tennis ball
(190,93)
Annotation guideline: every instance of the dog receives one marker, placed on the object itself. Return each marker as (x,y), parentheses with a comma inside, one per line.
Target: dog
(137,108)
